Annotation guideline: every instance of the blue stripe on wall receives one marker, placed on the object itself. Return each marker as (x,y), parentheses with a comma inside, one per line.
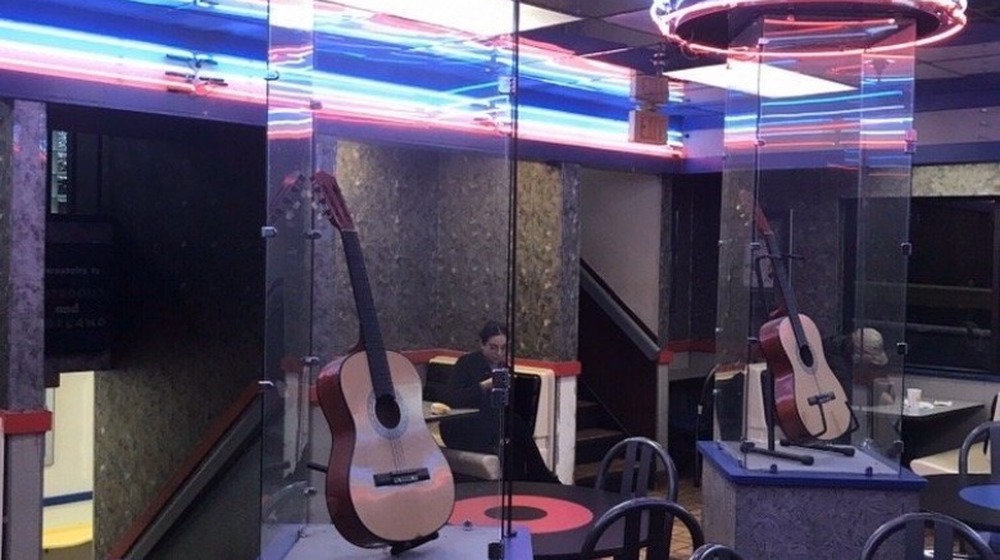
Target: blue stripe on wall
(67,499)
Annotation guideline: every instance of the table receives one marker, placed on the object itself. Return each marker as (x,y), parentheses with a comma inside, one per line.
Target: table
(966,498)
(558,516)
(452,412)
(937,410)
(929,430)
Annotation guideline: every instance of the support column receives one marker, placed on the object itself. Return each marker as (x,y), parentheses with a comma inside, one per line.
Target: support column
(23,156)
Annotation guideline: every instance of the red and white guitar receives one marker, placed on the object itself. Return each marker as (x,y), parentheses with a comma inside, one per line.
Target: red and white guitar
(809,400)
(387,481)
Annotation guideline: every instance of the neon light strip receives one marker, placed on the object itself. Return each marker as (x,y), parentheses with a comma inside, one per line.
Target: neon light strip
(133,64)
(671,15)
(537,61)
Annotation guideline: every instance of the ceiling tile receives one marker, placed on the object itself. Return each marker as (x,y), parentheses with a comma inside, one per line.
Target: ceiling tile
(639,20)
(925,71)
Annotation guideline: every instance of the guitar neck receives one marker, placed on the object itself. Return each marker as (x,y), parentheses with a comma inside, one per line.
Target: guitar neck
(781,279)
(371,334)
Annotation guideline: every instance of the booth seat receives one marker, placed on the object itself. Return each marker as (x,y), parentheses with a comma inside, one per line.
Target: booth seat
(67,525)
(536,408)
(946,462)
(471,464)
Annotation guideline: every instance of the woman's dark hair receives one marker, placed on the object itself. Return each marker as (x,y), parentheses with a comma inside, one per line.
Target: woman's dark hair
(491,329)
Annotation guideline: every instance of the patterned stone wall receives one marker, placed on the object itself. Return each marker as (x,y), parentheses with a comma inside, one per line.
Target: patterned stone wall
(978,179)
(6,175)
(548,261)
(434,229)
(23,145)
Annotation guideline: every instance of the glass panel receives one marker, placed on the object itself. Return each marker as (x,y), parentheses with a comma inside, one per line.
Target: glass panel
(288,352)
(390,193)
(876,322)
(816,190)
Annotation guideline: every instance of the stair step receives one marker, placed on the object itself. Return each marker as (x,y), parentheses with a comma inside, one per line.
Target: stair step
(586,474)
(593,443)
(589,414)
(597,434)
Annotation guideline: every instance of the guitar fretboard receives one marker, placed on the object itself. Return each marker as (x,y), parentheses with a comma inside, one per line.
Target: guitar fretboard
(371,335)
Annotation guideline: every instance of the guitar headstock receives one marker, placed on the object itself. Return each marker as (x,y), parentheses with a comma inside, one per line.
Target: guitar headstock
(289,199)
(327,194)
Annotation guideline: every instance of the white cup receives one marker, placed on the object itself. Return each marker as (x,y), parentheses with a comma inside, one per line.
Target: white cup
(913,396)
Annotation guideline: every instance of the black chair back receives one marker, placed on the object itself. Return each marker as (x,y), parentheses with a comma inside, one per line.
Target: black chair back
(715,551)
(647,523)
(641,459)
(945,530)
(989,434)
(527,393)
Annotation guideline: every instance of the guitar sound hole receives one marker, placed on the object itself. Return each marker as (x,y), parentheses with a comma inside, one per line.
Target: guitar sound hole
(387,412)
(806,355)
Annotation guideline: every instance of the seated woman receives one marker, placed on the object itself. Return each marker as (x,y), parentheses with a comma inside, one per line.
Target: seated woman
(469,386)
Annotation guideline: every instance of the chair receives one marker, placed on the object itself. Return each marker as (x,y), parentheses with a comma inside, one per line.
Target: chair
(659,515)
(946,462)
(642,459)
(527,393)
(989,434)
(715,551)
(986,432)
(946,531)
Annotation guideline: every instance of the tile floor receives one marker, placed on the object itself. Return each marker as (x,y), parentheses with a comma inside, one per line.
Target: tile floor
(680,542)
(689,497)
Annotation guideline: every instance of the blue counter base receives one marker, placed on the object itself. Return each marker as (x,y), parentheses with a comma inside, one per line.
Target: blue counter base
(797,515)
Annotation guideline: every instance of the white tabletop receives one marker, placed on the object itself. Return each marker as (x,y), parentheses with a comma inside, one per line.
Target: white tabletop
(927,409)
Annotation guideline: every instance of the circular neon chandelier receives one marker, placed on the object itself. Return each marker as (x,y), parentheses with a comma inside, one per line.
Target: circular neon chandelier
(702,26)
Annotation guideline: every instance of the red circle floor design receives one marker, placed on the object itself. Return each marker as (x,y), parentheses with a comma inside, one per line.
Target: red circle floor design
(559,515)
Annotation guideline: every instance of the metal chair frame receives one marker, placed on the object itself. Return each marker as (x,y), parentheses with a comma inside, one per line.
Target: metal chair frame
(642,458)
(660,516)
(946,530)
(715,551)
(989,434)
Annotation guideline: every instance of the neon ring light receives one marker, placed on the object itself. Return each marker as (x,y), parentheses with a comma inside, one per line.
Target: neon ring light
(703,25)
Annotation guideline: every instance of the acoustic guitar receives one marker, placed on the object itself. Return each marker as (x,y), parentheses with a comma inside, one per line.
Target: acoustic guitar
(810,402)
(387,481)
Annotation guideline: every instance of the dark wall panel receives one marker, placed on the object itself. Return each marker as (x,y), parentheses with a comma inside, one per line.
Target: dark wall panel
(188,209)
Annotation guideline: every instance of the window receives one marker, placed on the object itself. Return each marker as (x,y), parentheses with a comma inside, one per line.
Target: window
(953,291)
(59,146)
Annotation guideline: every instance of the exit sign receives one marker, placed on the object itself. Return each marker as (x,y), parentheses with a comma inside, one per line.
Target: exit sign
(647,127)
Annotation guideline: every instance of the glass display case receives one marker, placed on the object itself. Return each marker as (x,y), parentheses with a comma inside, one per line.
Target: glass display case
(389,238)
(813,245)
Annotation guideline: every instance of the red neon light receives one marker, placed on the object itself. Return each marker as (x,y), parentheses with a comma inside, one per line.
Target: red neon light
(674,24)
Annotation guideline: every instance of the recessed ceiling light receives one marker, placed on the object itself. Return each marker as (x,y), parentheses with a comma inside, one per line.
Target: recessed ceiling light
(762,80)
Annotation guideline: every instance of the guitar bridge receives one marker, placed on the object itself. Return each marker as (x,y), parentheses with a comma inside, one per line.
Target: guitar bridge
(821,398)
(399,478)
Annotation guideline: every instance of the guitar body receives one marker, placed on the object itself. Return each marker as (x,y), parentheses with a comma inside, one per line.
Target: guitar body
(416,494)
(796,383)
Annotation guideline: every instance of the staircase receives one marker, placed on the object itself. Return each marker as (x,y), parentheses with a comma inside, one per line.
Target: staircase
(596,432)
